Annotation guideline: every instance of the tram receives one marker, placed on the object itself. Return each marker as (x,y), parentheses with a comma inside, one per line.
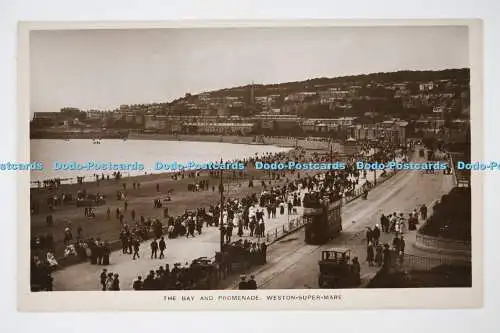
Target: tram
(322,219)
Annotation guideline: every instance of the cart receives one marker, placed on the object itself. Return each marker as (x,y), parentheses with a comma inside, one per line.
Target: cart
(336,270)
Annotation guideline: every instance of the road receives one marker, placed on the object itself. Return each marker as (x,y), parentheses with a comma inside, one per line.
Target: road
(294,265)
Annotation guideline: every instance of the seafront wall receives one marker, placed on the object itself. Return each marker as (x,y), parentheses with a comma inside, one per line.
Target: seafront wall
(289,142)
(443,246)
(76,135)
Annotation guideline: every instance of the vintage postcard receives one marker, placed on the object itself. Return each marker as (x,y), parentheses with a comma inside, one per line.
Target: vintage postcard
(250,165)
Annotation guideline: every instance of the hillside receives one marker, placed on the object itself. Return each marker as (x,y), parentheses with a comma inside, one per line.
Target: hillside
(462,74)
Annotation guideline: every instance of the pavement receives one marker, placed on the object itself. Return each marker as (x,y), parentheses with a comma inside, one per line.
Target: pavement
(292,264)
(84,276)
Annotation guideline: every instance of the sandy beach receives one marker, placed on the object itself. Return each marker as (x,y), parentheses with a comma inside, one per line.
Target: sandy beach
(139,200)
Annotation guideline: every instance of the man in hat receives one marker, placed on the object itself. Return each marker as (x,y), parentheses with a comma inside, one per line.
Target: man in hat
(115,286)
(376,235)
(369,235)
(356,270)
(252,284)
(136,249)
(423,212)
(162,246)
(243,285)
(154,249)
(104,275)
(137,285)
(148,283)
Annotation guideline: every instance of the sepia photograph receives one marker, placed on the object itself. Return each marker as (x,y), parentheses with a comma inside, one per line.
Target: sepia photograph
(248,164)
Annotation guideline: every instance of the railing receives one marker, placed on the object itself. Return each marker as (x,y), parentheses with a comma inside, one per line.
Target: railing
(408,261)
(462,177)
(414,262)
(443,243)
(359,192)
(295,223)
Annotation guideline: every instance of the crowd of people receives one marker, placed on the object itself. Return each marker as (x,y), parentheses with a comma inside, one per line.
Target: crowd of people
(41,273)
(398,225)
(246,216)
(249,284)
(202,273)
(109,281)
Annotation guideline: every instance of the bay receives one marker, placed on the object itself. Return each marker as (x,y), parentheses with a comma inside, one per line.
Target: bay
(147,152)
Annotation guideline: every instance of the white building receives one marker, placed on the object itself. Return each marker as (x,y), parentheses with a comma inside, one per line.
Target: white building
(299,96)
(426,86)
(332,95)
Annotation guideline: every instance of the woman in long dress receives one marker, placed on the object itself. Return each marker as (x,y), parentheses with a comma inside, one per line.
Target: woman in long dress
(402,226)
(106,254)
(109,282)
(370,254)
(51,260)
(378,255)
(115,285)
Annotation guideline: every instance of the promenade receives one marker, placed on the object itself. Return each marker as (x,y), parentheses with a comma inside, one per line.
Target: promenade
(85,276)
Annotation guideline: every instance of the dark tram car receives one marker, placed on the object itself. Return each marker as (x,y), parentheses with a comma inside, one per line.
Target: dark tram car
(323,220)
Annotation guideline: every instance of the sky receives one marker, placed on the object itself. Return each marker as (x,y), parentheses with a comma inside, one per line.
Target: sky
(102,69)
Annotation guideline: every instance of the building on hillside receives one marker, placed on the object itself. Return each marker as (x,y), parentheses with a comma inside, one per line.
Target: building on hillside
(391,132)
(438,109)
(331,95)
(346,121)
(203,97)
(400,93)
(400,86)
(95,114)
(429,124)
(160,123)
(309,125)
(299,96)
(218,128)
(426,86)
(273,121)
(354,91)
(322,125)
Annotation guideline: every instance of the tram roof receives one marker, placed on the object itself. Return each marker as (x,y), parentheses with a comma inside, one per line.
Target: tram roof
(339,249)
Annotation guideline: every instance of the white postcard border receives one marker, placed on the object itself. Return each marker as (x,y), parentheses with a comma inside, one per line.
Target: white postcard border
(435,298)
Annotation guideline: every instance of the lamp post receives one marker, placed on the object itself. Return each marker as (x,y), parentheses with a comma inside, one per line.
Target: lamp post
(221,189)
(331,151)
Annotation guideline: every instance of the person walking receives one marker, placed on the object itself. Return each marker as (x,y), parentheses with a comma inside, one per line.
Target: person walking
(370,254)
(423,212)
(378,255)
(154,249)
(162,246)
(136,249)
(106,253)
(376,234)
(369,235)
(103,277)
(115,285)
